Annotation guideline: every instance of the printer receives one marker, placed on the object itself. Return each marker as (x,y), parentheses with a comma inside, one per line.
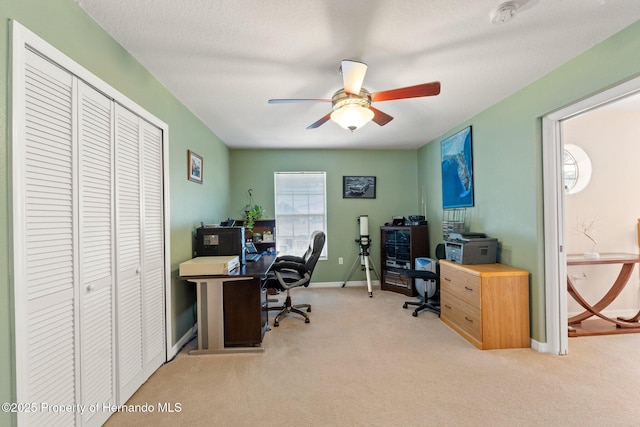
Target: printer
(471,248)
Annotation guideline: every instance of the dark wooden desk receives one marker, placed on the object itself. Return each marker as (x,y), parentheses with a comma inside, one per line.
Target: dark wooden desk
(231,298)
(618,325)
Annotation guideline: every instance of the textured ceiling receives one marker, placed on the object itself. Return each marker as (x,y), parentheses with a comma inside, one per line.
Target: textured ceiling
(225,58)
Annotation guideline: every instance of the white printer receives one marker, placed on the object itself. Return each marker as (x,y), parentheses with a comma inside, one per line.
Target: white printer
(471,248)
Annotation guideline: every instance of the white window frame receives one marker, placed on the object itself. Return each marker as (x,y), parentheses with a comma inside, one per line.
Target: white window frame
(281,235)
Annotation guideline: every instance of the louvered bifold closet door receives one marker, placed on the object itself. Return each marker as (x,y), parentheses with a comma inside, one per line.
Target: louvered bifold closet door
(46,280)
(128,254)
(95,252)
(153,248)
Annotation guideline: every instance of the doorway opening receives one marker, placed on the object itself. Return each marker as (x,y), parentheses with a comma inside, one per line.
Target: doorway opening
(554,207)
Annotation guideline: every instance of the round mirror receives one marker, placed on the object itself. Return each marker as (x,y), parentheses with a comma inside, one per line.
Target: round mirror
(576,166)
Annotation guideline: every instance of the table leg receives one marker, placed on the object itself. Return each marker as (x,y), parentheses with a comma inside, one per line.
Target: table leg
(634,319)
(612,294)
(595,310)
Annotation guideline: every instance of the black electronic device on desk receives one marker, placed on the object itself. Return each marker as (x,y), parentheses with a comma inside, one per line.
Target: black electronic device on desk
(217,241)
(411,220)
(416,220)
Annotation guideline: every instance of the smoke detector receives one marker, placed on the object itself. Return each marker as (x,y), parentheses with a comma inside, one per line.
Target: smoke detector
(504,13)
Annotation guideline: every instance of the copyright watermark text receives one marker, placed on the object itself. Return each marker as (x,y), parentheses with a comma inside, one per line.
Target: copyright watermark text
(161,407)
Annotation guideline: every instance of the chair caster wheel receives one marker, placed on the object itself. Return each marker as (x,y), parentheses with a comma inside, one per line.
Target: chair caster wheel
(309,310)
(276,324)
(414,314)
(307,320)
(404,305)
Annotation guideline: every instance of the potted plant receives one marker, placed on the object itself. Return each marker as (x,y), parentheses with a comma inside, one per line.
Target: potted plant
(252,212)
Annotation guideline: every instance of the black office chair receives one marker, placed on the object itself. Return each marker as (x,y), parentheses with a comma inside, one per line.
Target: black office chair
(290,271)
(430,304)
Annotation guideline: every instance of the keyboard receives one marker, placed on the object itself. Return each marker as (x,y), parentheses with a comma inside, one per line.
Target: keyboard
(252,257)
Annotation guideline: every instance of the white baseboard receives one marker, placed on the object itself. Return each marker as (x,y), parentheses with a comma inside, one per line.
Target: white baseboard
(348,284)
(541,347)
(188,336)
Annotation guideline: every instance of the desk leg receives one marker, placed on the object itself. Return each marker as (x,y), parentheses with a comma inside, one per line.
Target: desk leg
(211,319)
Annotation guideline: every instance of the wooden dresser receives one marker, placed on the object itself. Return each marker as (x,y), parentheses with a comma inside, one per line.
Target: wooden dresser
(488,304)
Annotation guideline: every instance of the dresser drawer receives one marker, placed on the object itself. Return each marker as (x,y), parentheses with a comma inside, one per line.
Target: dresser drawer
(465,316)
(461,284)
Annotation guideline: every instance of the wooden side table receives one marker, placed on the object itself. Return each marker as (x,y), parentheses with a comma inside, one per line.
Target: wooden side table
(620,325)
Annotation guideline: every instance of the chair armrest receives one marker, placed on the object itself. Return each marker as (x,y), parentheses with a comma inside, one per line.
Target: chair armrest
(291,258)
(298,269)
(301,269)
(303,281)
(416,274)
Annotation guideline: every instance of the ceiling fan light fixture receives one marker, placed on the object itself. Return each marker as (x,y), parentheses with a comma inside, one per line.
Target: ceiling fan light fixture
(351,111)
(352,116)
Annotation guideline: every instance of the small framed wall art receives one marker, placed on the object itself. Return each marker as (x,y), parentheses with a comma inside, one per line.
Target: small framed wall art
(195,165)
(358,187)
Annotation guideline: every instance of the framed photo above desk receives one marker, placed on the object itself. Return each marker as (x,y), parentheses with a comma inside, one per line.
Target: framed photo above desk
(194,165)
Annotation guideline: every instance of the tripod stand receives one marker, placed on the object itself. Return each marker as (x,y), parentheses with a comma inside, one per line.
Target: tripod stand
(364,243)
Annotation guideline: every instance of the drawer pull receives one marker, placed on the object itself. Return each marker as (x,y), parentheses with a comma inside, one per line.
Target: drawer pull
(468,288)
(447,306)
(467,319)
(447,279)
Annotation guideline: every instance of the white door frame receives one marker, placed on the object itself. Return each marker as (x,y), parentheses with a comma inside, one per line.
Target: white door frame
(554,221)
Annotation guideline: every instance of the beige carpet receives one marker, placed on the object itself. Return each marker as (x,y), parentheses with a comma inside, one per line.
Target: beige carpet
(367,362)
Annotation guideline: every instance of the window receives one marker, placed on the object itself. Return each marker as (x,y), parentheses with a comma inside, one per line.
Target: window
(576,167)
(300,209)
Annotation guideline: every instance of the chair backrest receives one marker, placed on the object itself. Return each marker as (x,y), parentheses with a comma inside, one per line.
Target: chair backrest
(316,243)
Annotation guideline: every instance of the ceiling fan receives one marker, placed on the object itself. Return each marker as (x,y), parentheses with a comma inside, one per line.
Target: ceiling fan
(352,105)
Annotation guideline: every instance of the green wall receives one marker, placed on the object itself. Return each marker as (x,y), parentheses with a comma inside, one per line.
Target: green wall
(507,146)
(507,157)
(64,25)
(396,188)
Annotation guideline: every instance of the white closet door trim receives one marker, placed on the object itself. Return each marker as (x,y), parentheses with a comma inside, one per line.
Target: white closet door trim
(18,131)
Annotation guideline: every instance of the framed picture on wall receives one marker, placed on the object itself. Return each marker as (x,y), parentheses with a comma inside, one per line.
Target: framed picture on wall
(358,187)
(457,170)
(195,165)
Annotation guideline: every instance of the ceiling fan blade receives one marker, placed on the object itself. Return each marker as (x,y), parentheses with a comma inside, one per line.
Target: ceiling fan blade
(379,117)
(353,75)
(425,89)
(320,122)
(285,101)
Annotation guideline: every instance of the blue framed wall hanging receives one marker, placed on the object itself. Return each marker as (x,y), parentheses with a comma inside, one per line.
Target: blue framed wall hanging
(457,170)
